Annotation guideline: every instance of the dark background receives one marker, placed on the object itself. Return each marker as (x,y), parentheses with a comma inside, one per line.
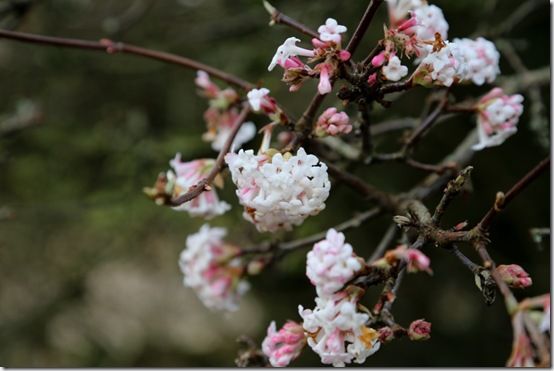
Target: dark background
(89,264)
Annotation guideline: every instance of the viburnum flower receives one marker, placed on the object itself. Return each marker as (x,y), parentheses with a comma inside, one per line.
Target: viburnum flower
(415,259)
(442,67)
(419,330)
(430,21)
(330,31)
(279,191)
(337,332)
(522,350)
(287,50)
(210,268)
(394,70)
(514,276)
(203,81)
(285,345)
(481,58)
(188,174)
(221,123)
(260,100)
(332,122)
(324,86)
(331,263)
(399,9)
(497,118)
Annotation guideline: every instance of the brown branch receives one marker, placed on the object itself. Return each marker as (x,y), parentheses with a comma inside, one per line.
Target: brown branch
(363,26)
(112,47)
(502,200)
(383,244)
(277,17)
(204,184)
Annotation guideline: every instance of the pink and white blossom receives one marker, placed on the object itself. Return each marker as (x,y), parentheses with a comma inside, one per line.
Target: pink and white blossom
(324,86)
(260,100)
(442,67)
(331,263)
(285,345)
(188,174)
(419,330)
(288,50)
(332,122)
(498,115)
(279,191)
(400,9)
(203,81)
(220,125)
(416,260)
(481,58)
(330,31)
(394,70)
(209,267)
(430,20)
(337,332)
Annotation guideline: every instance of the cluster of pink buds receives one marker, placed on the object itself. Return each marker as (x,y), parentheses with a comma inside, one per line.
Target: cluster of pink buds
(222,114)
(514,276)
(278,190)
(332,122)
(285,345)
(416,260)
(326,55)
(211,267)
(419,330)
(498,115)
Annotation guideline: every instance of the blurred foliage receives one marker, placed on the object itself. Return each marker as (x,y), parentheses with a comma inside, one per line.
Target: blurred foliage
(89,265)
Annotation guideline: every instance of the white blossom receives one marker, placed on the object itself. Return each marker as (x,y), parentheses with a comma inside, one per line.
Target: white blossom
(330,31)
(288,49)
(188,174)
(281,191)
(441,67)
(256,98)
(245,134)
(430,20)
(394,70)
(399,9)
(209,268)
(481,58)
(331,263)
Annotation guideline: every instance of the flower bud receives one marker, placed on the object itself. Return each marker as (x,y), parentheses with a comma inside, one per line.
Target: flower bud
(514,276)
(419,330)
(385,334)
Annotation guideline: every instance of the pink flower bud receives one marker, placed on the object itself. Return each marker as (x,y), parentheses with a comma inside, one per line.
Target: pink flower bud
(317,43)
(417,261)
(419,330)
(332,122)
(514,276)
(282,346)
(344,55)
(385,334)
(379,59)
(372,79)
(324,86)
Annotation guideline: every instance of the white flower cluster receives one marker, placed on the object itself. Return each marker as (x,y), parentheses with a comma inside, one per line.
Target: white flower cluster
(430,20)
(331,263)
(337,331)
(442,67)
(399,9)
(481,59)
(281,191)
(330,31)
(210,269)
(188,174)
(498,117)
(394,70)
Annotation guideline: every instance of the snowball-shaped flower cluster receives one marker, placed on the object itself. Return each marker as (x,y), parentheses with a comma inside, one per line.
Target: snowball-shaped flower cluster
(188,174)
(211,269)
(332,122)
(430,20)
(331,263)
(394,70)
(481,58)
(498,115)
(337,331)
(330,31)
(282,346)
(400,9)
(279,191)
(442,67)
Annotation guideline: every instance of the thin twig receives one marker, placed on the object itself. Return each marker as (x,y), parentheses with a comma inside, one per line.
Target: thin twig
(278,17)
(363,26)
(384,243)
(204,184)
(112,47)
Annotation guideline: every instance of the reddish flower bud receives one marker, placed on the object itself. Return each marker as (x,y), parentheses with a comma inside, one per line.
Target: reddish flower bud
(514,276)
(419,330)
(385,334)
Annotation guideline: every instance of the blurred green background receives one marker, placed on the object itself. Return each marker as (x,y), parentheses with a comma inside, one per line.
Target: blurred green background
(89,264)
